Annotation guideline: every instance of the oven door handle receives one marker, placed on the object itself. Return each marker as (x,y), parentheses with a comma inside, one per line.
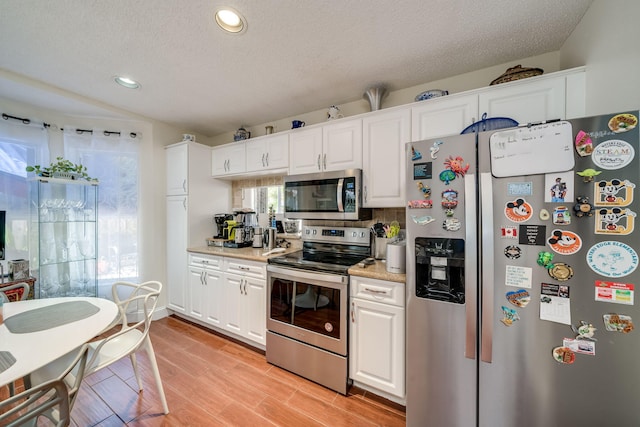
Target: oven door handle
(298,275)
(339,194)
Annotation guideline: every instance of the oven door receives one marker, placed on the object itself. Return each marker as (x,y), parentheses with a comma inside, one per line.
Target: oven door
(309,307)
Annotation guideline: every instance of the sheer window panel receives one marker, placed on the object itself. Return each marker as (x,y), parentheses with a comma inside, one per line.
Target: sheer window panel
(114,161)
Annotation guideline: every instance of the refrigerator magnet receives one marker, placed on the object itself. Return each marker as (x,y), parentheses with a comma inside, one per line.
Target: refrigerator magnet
(545,259)
(519,298)
(585,331)
(415,154)
(622,122)
(447,176)
(509,315)
(588,174)
(564,355)
(426,191)
(560,271)
(544,215)
(582,207)
(422,171)
(451,224)
(564,242)
(617,293)
(518,210)
(584,144)
(512,252)
(612,259)
(435,148)
(419,204)
(509,232)
(580,346)
(449,199)
(456,165)
(617,221)
(613,154)
(617,323)
(561,216)
(615,192)
(422,220)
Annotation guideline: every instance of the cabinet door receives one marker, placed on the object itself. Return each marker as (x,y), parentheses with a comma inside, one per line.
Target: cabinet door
(305,151)
(228,159)
(376,346)
(177,253)
(177,167)
(255,306)
(448,115)
(213,297)
(383,160)
(196,293)
(526,102)
(342,145)
(268,152)
(233,299)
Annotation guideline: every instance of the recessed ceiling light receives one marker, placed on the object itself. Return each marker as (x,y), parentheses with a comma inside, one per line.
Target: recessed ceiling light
(126,82)
(230,20)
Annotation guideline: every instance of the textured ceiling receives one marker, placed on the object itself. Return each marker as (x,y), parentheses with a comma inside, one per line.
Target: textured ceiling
(296,56)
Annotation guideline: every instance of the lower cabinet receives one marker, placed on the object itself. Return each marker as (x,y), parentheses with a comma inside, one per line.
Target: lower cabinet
(229,294)
(377,336)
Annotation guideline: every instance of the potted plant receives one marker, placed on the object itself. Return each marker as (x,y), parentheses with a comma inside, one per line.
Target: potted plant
(62,168)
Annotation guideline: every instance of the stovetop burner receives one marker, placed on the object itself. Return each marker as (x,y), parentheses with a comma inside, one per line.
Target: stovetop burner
(331,250)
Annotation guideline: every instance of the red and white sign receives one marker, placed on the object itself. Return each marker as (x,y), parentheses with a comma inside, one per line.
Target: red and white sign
(619,293)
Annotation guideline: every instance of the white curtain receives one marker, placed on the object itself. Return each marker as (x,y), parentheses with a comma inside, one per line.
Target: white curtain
(20,146)
(113,160)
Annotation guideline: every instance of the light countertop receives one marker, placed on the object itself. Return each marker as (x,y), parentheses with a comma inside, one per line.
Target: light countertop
(377,270)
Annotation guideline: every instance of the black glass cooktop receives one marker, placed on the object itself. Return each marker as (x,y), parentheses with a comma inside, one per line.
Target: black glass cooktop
(323,261)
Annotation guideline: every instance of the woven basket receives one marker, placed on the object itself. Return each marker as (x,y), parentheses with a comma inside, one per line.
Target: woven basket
(517,73)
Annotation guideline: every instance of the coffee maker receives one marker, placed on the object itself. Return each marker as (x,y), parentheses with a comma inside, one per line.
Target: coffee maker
(221,229)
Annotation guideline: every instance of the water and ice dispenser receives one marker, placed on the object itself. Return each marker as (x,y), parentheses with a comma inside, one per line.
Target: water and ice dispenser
(440,269)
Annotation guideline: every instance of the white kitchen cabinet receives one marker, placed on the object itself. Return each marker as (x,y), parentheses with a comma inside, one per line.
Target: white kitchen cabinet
(189,218)
(268,153)
(384,135)
(447,115)
(228,159)
(330,147)
(377,336)
(206,298)
(177,166)
(245,299)
(525,101)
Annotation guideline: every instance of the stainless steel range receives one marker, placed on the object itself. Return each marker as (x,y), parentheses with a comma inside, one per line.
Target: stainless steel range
(308,304)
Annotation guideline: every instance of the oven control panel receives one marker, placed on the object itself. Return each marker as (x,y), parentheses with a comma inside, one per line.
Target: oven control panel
(340,235)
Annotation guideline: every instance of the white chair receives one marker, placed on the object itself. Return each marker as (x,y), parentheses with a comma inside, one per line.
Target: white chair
(129,338)
(5,295)
(52,398)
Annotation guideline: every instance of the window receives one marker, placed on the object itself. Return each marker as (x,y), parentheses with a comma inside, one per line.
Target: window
(20,146)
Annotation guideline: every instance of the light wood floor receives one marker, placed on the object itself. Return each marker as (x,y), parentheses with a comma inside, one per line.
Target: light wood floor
(212,381)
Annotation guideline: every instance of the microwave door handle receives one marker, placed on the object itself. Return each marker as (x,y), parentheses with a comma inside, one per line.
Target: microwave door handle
(339,194)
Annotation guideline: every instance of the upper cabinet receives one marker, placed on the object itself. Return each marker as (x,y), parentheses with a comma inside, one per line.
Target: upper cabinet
(268,153)
(448,115)
(525,102)
(177,162)
(228,159)
(384,134)
(334,146)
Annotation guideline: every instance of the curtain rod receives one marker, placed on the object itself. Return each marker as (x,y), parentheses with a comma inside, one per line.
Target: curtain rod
(78,131)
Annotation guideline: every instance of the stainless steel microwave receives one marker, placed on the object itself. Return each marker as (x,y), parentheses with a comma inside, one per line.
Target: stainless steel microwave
(328,195)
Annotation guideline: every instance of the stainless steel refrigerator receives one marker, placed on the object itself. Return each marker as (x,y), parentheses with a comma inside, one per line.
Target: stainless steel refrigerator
(521,265)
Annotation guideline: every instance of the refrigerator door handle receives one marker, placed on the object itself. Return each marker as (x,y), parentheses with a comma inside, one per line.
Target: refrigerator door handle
(471,263)
(486,220)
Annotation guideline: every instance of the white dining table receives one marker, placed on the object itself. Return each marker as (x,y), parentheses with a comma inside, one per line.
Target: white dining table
(43,331)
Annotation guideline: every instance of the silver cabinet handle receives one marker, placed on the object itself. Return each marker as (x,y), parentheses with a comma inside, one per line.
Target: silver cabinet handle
(202,278)
(184,185)
(240,285)
(240,267)
(267,159)
(245,287)
(263,165)
(353,308)
(325,161)
(319,167)
(375,291)
(184,203)
(365,193)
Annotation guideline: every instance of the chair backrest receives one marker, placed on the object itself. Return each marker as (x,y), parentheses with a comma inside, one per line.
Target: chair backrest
(52,398)
(25,408)
(15,292)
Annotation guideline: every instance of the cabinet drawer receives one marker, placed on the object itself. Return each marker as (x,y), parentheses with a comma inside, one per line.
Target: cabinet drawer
(246,268)
(212,262)
(378,290)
